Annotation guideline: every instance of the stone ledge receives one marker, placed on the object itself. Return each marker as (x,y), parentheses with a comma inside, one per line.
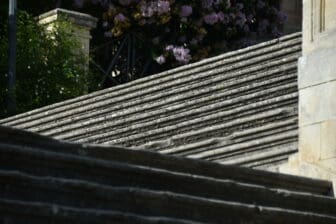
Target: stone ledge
(77,18)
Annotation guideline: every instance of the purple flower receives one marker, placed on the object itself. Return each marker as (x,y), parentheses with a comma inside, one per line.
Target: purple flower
(182,54)
(211,19)
(162,7)
(161,59)
(186,10)
(146,10)
(120,18)
(220,16)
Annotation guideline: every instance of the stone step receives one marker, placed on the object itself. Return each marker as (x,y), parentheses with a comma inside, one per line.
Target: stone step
(134,198)
(236,137)
(208,64)
(130,121)
(33,212)
(30,152)
(241,90)
(44,179)
(25,212)
(127,102)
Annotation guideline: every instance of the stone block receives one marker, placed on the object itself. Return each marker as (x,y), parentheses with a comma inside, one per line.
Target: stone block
(328,16)
(328,140)
(329,165)
(309,143)
(313,65)
(319,25)
(317,103)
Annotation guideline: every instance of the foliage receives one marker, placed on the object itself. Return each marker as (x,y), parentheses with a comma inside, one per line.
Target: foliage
(189,30)
(49,64)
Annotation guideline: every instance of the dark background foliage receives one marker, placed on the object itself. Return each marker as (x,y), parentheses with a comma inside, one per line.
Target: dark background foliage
(49,68)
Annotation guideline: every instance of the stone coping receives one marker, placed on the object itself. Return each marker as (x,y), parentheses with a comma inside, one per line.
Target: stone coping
(80,19)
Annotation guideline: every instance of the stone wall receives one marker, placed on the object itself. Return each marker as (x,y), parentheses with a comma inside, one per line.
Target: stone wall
(317,92)
(82,25)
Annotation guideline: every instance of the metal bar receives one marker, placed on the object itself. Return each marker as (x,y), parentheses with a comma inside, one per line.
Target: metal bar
(103,71)
(114,60)
(129,58)
(11,77)
(116,56)
(133,56)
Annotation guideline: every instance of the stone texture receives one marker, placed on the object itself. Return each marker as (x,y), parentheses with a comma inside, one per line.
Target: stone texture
(312,66)
(318,25)
(241,107)
(317,91)
(328,140)
(317,103)
(310,143)
(44,180)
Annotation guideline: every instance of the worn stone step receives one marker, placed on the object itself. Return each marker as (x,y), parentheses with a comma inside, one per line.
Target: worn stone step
(163,112)
(191,101)
(160,117)
(204,125)
(20,186)
(236,137)
(25,212)
(36,148)
(108,105)
(144,83)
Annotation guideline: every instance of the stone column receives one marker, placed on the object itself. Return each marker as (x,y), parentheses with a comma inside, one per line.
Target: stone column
(317,93)
(82,25)
(293,9)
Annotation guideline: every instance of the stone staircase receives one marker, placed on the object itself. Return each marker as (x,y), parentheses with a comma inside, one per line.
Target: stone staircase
(47,181)
(238,108)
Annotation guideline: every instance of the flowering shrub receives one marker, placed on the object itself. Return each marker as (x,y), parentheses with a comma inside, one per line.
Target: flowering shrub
(189,30)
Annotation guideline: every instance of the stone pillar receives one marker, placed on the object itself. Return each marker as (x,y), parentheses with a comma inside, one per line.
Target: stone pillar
(293,9)
(82,25)
(317,93)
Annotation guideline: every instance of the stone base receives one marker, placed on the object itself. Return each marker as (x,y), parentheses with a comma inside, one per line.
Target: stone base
(324,169)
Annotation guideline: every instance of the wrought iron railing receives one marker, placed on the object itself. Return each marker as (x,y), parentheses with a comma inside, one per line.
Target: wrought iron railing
(123,59)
